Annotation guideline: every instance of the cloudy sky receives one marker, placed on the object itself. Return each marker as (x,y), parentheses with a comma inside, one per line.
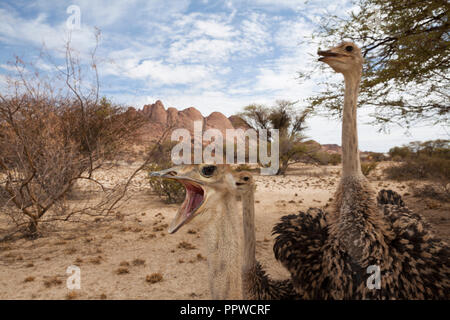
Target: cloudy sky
(213,55)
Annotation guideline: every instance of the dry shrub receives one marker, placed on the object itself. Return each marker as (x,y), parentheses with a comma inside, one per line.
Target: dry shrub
(160,157)
(422,167)
(55,132)
(432,191)
(367,167)
(325,158)
(169,190)
(421,160)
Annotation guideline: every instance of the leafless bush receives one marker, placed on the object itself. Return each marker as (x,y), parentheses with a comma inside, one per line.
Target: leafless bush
(433,191)
(55,131)
(325,158)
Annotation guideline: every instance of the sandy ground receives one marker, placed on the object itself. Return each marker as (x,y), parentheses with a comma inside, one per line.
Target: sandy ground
(116,257)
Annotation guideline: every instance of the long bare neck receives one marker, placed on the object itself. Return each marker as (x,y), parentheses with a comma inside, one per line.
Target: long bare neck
(355,205)
(351,165)
(224,256)
(248,216)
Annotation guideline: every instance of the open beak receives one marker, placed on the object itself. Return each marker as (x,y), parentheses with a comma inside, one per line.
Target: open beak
(195,196)
(327,53)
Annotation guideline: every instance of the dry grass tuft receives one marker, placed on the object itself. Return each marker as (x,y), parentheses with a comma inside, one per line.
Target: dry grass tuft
(186,245)
(52,281)
(124,264)
(29,279)
(71,295)
(200,257)
(70,250)
(79,260)
(432,191)
(160,228)
(122,270)
(138,262)
(367,167)
(96,260)
(154,278)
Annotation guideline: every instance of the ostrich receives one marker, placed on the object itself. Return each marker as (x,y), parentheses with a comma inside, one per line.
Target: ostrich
(256,285)
(330,255)
(211,192)
(211,200)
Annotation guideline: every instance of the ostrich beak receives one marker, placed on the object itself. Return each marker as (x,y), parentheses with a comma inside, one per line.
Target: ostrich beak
(195,196)
(326,53)
(163,173)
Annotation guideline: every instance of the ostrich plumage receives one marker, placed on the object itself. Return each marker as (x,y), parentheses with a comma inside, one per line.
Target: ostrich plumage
(414,263)
(264,288)
(256,283)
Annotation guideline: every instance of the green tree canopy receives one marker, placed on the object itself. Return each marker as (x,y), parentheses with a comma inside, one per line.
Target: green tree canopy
(406,47)
(290,123)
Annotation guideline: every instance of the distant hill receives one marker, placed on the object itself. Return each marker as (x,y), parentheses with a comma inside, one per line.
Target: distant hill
(332,148)
(159,118)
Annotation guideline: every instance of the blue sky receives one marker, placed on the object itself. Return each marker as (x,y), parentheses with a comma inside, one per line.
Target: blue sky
(213,55)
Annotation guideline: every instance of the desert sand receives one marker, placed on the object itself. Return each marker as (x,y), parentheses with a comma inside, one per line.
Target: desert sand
(117,258)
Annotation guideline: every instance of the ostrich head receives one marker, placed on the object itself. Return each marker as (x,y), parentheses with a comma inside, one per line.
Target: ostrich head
(345,58)
(244,182)
(206,185)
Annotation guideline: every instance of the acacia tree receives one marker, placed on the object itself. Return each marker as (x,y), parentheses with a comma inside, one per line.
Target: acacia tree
(54,132)
(406,47)
(290,123)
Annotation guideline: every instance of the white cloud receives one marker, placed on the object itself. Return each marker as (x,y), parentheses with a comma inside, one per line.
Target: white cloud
(217,57)
(215,29)
(202,50)
(162,73)
(8,67)
(38,32)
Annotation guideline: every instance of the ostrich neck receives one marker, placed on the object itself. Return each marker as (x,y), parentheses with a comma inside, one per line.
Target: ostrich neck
(224,256)
(248,208)
(355,204)
(350,154)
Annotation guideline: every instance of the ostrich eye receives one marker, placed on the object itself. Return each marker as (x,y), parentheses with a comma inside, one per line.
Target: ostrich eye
(246,178)
(208,171)
(349,48)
